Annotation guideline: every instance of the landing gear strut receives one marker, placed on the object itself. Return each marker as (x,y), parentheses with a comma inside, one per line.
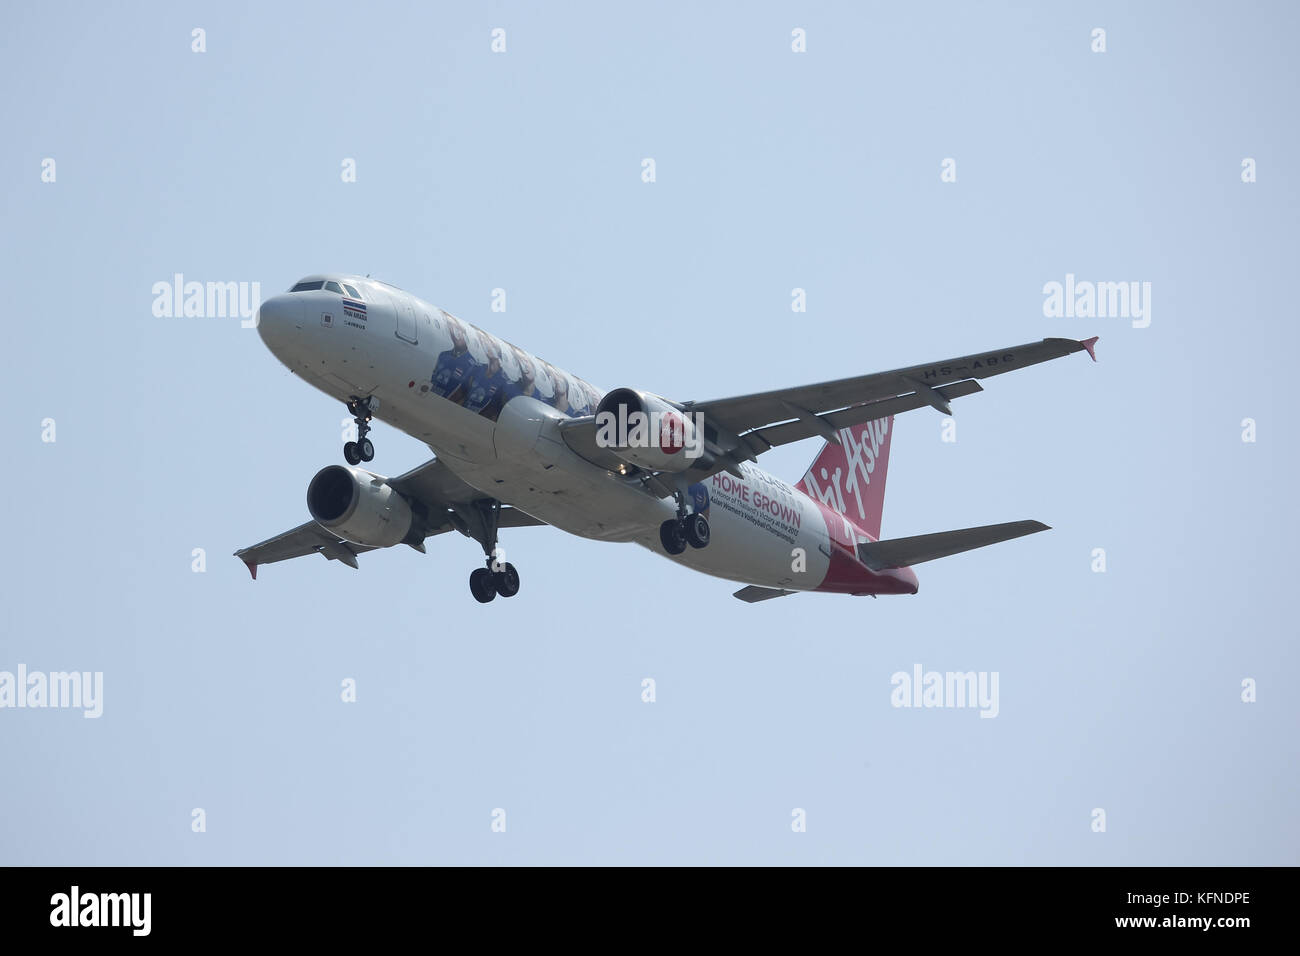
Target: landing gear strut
(362,409)
(686,529)
(495,577)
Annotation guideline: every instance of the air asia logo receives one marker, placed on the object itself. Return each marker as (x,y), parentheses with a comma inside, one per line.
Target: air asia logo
(670,432)
(102,909)
(861,453)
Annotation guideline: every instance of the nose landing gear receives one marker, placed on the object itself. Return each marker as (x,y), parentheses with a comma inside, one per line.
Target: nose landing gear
(362,409)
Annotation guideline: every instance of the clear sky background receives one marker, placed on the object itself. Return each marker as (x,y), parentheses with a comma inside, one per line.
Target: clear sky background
(1118,690)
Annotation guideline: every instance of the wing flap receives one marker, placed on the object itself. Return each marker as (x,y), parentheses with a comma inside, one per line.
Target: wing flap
(800,429)
(905,552)
(309,538)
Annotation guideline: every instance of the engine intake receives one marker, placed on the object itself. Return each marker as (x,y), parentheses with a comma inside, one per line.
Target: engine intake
(647,430)
(359,507)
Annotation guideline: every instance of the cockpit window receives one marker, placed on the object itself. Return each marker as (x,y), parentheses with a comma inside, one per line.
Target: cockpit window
(307,286)
(351,291)
(332,286)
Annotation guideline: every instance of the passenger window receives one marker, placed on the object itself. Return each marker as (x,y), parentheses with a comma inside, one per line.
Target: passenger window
(332,286)
(307,286)
(351,291)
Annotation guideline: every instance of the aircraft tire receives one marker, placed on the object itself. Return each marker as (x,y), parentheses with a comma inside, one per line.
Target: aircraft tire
(672,536)
(506,582)
(482,586)
(697,530)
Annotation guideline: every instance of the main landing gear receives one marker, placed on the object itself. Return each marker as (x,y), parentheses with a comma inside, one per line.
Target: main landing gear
(362,409)
(686,529)
(485,584)
(496,577)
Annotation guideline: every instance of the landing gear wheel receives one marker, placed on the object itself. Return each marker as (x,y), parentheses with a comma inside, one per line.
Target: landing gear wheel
(361,410)
(482,586)
(672,536)
(697,530)
(506,581)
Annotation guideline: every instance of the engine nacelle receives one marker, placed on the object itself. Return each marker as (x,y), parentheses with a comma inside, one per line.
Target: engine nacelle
(359,507)
(646,430)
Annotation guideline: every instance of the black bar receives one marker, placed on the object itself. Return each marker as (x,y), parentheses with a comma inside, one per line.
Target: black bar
(922,905)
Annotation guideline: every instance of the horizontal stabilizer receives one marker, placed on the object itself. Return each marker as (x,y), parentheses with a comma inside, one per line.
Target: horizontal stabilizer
(904,552)
(754,593)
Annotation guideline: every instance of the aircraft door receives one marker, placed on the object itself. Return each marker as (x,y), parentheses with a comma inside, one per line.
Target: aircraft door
(406,327)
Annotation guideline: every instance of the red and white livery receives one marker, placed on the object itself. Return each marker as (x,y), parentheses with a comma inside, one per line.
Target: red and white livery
(521,442)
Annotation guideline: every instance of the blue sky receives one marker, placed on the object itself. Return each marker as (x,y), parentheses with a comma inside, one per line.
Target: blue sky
(774,170)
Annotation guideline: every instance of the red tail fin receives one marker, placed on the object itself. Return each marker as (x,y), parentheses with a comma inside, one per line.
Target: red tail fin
(850,477)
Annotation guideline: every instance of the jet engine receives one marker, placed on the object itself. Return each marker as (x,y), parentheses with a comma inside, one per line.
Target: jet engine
(359,507)
(649,431)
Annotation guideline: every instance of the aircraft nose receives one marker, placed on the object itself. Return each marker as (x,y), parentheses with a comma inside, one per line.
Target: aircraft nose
(278,318)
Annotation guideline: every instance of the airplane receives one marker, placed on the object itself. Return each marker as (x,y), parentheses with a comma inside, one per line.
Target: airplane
(519,442)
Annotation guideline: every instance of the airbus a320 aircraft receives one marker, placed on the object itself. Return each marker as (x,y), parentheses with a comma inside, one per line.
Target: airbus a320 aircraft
(520,442)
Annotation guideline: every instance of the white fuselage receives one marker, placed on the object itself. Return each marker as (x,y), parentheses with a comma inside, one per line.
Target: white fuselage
(399,349)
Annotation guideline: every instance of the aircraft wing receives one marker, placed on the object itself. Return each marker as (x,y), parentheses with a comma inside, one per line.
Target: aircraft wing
(741,428)
(447,505)
(766,419)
